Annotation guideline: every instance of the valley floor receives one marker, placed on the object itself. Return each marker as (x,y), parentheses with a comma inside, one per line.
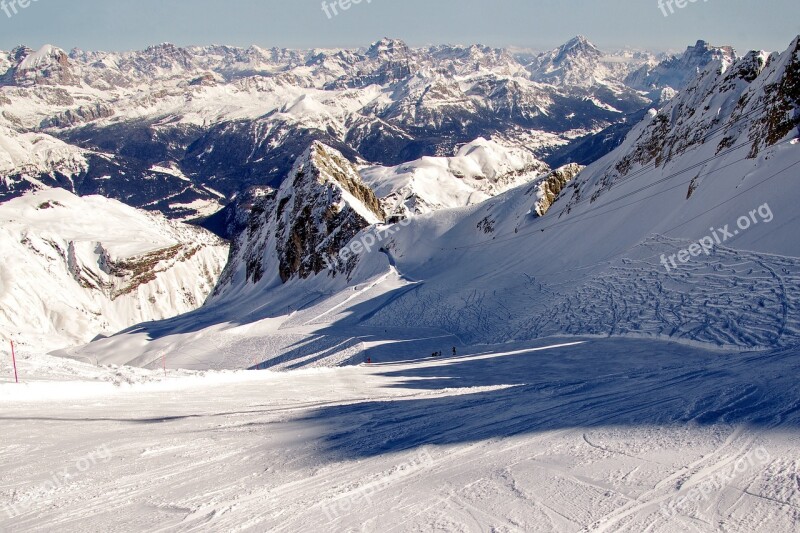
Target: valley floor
(557,435)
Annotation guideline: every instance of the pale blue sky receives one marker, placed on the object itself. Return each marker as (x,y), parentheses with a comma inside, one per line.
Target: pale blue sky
(134,24)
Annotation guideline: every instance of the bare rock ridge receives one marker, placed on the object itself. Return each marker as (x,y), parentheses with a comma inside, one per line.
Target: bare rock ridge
(326,205)
(296,231)
(551,185)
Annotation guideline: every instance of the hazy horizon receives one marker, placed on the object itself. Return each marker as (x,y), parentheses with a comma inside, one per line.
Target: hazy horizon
(116,25)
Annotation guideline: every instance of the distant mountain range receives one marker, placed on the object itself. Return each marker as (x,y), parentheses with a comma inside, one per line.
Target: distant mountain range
(184,131)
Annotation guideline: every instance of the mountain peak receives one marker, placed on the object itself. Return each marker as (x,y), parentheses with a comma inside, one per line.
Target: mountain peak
(300,231)
(576,62)
(162,46)
(387,47)
(49,65)
(579,43)
(578,40)
(43,56)
(326,165)
(678,71)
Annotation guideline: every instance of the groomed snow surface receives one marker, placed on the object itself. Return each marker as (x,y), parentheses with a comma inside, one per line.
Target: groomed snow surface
(556,435)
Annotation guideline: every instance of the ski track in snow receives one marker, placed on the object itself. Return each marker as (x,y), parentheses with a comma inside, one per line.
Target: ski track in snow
(598,435)
(730,299)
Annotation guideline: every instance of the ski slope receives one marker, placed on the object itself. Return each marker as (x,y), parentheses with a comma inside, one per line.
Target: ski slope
(559,435)
(558,403)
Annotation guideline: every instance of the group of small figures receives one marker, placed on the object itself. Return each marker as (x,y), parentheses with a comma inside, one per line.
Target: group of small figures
(434,354)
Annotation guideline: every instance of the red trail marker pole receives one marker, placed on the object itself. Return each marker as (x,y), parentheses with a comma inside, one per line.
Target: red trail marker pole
(14,361)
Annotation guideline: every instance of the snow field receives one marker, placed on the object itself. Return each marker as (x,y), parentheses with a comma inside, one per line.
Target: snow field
(602,435)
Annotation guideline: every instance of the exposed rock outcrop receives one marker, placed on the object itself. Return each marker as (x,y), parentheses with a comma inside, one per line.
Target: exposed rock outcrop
(298,230)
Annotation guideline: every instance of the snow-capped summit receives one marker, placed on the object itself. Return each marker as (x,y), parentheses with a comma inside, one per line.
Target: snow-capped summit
(479,170)
(577,63)
(578,45)
(47,66)
(388,49)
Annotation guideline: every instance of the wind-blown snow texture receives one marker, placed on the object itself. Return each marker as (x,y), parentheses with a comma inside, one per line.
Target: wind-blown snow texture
(607,435)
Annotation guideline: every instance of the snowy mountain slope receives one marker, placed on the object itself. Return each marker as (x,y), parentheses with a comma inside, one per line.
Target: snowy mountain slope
(596,263)
(481,169)
(79,267)
(664,185)
(684,170)
(27,156)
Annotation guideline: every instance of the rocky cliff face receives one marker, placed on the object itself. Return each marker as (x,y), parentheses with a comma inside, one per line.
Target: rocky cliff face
(780,98)
(299,230)
(79,115)
(48,66)
(551,185)
(324,207)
